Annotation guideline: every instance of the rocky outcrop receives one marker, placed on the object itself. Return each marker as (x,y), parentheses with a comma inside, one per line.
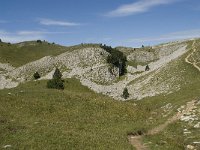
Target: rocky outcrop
(91,67)
(142,56)
(88,62)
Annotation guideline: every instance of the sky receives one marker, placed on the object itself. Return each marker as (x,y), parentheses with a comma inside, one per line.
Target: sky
(129,23)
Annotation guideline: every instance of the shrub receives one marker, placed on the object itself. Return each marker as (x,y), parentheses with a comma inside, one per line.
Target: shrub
(147,68)
(125,93)
(56,82)
(36,75)
(39,41)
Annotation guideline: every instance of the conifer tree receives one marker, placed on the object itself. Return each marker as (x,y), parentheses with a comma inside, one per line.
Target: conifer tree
(125,93)
(56,82)
(57,74)
(36,75)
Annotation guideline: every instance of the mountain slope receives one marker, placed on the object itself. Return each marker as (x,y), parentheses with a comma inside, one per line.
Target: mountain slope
(25,52)
(89,65)
(134,74)
(34,117)
(89,61)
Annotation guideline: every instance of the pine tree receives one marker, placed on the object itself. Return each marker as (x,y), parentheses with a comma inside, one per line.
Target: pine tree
(125,93)
(147,68)
(57,74)
(36,75)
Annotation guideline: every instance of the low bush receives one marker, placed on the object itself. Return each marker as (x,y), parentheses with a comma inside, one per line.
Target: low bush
(56,82)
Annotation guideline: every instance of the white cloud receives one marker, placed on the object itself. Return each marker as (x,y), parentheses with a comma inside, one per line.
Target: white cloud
(137,7)
(21,36)
(50,22)
(39,32)
(169,37)
(15,37)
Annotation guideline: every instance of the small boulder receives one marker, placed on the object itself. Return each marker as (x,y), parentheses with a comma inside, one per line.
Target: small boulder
(7,146)
(197,125)
(190,147)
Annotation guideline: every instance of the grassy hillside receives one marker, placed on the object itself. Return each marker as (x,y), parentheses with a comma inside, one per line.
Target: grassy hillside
(173,137)
(22,53)
(34,117)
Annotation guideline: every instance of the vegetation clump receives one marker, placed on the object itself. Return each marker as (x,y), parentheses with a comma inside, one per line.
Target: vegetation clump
(116,58)
(56,82)
(125,93)
(147,68)
(39,41)
(36,75)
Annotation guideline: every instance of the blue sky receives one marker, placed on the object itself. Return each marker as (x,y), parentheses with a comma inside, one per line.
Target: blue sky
(114,22)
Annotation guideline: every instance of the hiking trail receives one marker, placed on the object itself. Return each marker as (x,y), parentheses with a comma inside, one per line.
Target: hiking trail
(191,56)
(136,140)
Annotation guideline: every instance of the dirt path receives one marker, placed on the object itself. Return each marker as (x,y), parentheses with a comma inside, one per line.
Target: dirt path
(191,56)
(136,141)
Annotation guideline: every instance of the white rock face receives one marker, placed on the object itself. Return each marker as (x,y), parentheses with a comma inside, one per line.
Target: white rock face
(88,62)
(188,118)
(139,68)
(7,83)
(142,56)
(7,146)
(26,72)
(190,147)
(6,67)
(197,125)
(168,49)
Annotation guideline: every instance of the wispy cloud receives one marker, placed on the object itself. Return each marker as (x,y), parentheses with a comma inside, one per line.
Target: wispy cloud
(50,22)
(16,37)
(20,36)
(169,37)
(137,7)
(30,32)
(3,32)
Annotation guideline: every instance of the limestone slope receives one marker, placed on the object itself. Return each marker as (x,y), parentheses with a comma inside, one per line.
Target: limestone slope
(89,65)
